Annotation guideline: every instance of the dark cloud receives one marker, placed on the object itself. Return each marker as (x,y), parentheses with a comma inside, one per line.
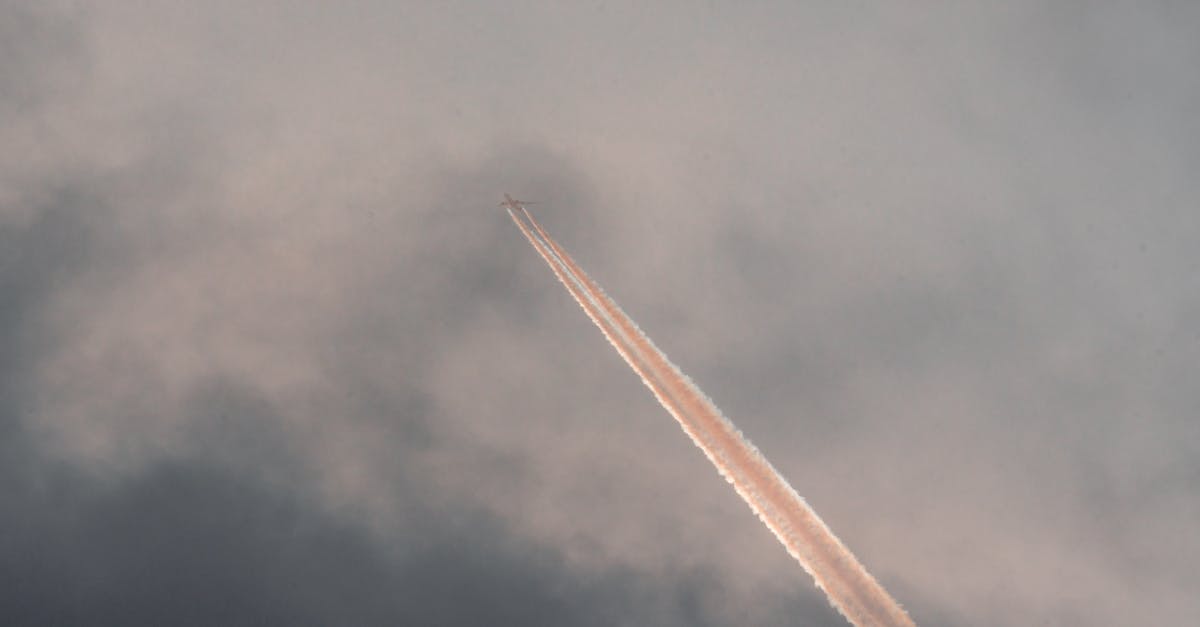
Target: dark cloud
(188,544)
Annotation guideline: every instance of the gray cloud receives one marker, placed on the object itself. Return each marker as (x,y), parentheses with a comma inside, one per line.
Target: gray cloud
(190,545)
(268,353)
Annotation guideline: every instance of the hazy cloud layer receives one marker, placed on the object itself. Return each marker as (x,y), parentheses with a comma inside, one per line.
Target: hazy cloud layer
(268,352)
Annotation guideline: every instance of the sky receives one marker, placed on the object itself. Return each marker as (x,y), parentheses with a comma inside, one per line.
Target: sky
(270,353)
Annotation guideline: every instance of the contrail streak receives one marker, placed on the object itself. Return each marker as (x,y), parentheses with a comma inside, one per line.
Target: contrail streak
(849,587)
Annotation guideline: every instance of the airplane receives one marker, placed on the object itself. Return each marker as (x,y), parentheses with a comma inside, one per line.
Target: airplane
(515,205)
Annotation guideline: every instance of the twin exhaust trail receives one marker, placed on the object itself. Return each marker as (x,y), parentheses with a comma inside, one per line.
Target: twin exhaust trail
(849,587)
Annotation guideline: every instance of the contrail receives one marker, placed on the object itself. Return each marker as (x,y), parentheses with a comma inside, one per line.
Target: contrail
(620,341)
(849,587)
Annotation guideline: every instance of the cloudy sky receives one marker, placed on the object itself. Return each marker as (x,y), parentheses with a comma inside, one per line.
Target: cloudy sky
(270,354)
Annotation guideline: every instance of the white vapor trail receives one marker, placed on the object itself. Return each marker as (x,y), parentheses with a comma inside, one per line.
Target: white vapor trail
(849,587)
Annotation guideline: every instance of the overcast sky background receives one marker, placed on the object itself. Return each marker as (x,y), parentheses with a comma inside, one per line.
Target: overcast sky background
(269,352)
